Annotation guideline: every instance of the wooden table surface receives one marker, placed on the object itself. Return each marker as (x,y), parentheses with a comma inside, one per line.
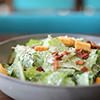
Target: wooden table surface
(2,38)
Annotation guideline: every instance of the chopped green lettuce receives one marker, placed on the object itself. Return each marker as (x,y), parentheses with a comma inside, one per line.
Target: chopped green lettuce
(56,45)
(33,42)
(11,58)
(96,66)
(9,69)
(56,78)
(33,75)
(68,72)
(85,78)
(18,71)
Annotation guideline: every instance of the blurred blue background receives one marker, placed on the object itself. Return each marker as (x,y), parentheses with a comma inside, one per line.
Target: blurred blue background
(43,4)
(50,16)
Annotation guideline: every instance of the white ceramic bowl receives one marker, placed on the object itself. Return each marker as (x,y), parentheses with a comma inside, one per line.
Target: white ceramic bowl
(21,90)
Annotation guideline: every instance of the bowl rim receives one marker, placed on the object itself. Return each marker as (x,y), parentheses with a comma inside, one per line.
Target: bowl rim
(29,83)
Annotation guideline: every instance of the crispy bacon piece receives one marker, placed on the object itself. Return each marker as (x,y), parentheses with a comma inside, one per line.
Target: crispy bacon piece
(24,69)
(94,46)
(55,53)
(57,56)
(78,51)
(39,69)
(88,41)
(66,53)
(55,65)
(84,69)
(83,55)
(80,62)
(33,47)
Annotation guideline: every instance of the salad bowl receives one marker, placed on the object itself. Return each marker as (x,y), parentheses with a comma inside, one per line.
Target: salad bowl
(24,90)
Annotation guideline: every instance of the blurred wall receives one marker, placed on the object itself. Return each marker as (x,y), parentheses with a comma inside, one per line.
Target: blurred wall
(43,4)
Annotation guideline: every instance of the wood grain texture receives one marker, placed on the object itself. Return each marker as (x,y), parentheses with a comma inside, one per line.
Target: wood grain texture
(4,96)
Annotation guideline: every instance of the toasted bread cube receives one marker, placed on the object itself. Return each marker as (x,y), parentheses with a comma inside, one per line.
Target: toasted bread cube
(67,41)
(2,70)
(98,80)
(82,45)
(41,48)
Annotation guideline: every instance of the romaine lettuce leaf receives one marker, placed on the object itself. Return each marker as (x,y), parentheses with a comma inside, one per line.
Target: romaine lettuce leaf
(9,69)
(85,78)
(47,65)
(33,42)
(25,54)
(56,78)
(18,69)
(29,57)
(96,66)
(56,45)
(43,42)
(68,72)
(11,58)
(33,75)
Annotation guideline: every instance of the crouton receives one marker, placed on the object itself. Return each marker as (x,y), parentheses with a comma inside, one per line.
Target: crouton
(67,41)
(82,45)
(2,70)
(41,48)
(98,80)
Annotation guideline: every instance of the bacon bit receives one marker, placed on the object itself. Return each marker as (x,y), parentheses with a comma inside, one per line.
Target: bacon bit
(57,56)
(83,55)
(24,69)
(88,41)
(86,52)
(55,65)
(98,47)
(78,51)
(94,46)
(39,69)
(33,47)
(55,53)
(80,62)
(84,69)
(66,53)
